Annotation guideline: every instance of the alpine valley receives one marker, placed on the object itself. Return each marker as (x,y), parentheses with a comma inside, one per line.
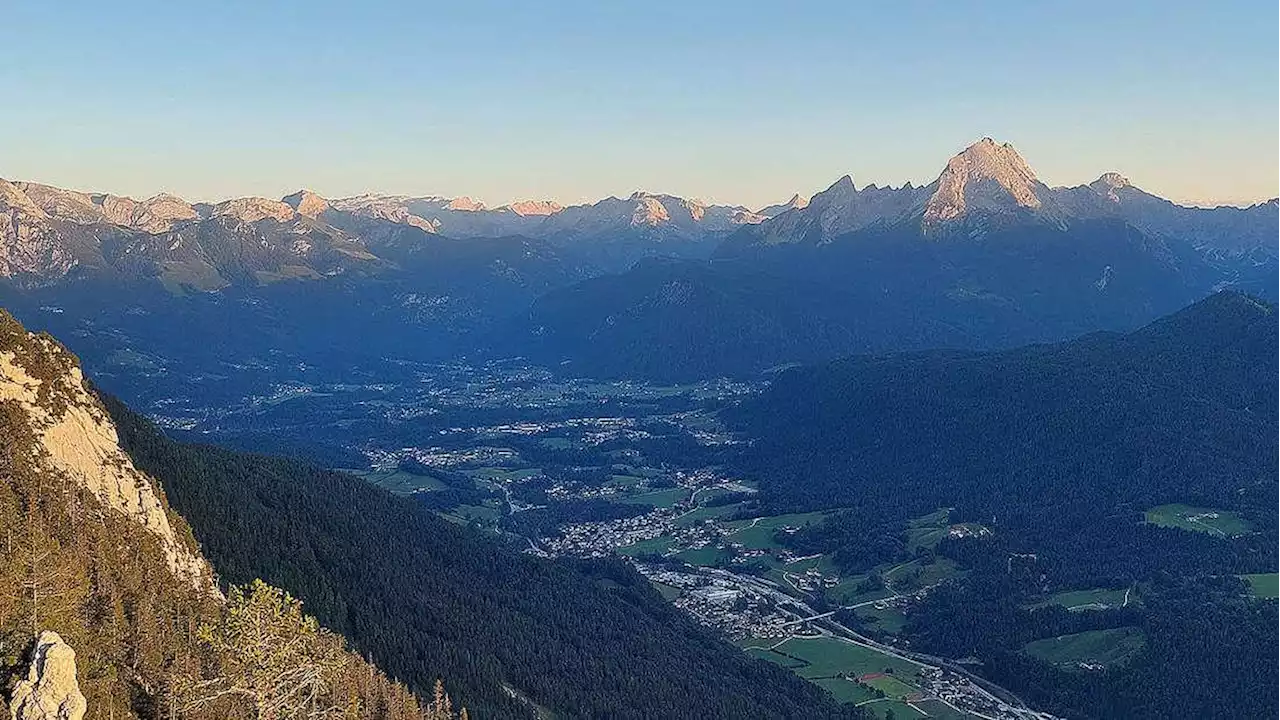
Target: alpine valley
(982,448)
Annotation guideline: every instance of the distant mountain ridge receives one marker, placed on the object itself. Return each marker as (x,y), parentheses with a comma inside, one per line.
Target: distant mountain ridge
(53,234)
(988,180)
(985,256)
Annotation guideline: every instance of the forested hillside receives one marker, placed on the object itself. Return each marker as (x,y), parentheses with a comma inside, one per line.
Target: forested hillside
(93,561)
(1134,472)
(509,632)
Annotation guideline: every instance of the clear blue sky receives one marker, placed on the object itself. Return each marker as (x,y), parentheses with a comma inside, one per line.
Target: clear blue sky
(573,100)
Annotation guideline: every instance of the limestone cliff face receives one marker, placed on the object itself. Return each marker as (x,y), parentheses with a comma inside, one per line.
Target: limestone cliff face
(50,690)
(28,243)
(74,438)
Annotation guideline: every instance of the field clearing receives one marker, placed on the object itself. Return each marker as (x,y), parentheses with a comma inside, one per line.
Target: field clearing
(890,619)
(666,497)
(698,515)
(927,530)
(704,556)
(1263,585)
(479,513)
(399,481)
(757,533)
(845,691)
(658,545)
(668,592)
(505,474)
(917,574)
(1220,523)
(775,658)
(1095,599)
(831,656)
(891,686)
(624,482)
(1106,648)
(901,710)
(939,709)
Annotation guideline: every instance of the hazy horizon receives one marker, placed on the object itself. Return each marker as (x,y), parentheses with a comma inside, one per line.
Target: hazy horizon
(575,102)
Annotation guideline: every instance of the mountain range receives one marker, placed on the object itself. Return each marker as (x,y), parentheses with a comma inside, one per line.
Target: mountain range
(651,285)
(52,232)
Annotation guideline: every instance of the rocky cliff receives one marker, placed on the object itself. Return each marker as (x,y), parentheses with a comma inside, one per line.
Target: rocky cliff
(93,558)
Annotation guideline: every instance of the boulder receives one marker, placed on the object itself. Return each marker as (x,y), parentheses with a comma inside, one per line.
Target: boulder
(50,691)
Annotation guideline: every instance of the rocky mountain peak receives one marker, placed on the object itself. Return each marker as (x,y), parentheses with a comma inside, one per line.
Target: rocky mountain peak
(464,204)
(254,209)
(527,208)
(1108,185)
(798,202)
(649,210)
(306,203)
(984,176)
(14,199)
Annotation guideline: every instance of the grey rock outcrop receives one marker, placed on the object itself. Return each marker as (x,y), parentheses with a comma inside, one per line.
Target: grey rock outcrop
(50,690)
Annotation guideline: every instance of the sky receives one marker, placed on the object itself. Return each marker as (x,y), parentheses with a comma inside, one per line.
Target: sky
(723,100)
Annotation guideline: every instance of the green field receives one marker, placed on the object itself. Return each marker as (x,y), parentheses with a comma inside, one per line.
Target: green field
(504,474)
(942,711)
(1264,585)
(758,533)
(901,710)
(698,515)
(892,687)
(482,514)
(704,556)
(828,656)
(890,619)
(667,591)
(926,531)
(666,497)
(1102,647)
(399,481)
(836,666)
(658,545)
(1097,599)
(1221,523)
(845,691)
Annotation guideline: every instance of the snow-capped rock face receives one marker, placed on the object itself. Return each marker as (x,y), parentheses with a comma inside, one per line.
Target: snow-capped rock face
(73,437)
(985,176)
